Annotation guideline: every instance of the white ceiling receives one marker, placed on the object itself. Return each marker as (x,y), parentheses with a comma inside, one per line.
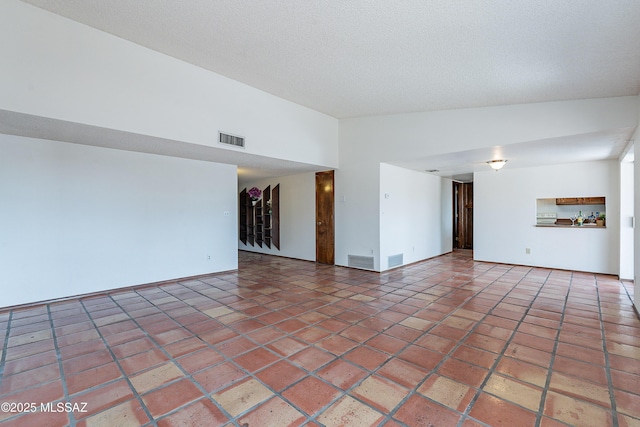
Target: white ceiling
(360,58)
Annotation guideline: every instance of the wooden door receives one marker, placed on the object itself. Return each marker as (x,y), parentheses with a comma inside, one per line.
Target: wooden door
(463,215)
(325,232)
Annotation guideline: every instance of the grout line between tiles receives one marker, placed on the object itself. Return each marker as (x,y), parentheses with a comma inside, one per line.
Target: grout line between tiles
(63,377)
(543,397)
(5,348)
(122,371)
(614,410)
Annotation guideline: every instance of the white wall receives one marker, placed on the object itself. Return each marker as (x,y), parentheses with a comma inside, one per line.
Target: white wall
(505,214)
(412,210)
(78,219)
(57,68)
(297,216)
(366,142)
(626,220)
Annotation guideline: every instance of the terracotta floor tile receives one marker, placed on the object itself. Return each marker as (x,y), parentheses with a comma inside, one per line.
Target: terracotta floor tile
(102,398)
(197,360)
(437,343)
(49,392)
(376,324)
(420,356)
(463,372)
(256,359)
(219,335)
(219,376)
(450,393)
(358,333)
(29,349)
(366,357)
(235,346)
(381,393)
(403,373)
(287,346)
(126,414)
(528,354)
(38,419)
(312,334)
(92,377)
(539,343)
(312,358)
(523,371)
(200,413)
(576,412)
(242,396)
(166,399)
(475,356)
(275,412)
(626,381)
(625,364)
(484,342)
(288,342)
(266,335)
(581,353)
(186,346)
(498,412)
(143,361)
(342,374)
(311,395)
(449,332)
(386,343)
(291,325)
(586,371)
(403,332)
(580,389)
(155,377)
(337,345)
(627,403)
(418,411)
(280,375)
(334,325)
(30,362)
(514,391)
(28,379)
(348,411)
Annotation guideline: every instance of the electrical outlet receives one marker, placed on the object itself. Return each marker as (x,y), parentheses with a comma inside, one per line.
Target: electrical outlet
(527,251)
(226,213)
(209,257)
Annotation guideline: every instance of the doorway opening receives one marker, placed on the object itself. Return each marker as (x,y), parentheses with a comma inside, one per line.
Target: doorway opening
(463,215)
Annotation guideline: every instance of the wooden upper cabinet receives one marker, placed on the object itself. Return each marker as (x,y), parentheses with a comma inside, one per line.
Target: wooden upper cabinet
(593,201)
(580,201)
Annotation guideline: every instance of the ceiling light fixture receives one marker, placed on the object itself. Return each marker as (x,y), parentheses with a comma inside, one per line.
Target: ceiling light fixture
(496,165)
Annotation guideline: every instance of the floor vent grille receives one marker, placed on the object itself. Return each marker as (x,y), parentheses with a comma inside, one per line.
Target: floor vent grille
(396,260)
(357,261)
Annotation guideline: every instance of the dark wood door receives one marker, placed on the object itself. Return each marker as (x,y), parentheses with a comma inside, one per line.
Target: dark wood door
(463,215)
(325,232)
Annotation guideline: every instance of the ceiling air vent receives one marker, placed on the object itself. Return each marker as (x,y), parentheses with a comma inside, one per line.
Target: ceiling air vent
(225,138)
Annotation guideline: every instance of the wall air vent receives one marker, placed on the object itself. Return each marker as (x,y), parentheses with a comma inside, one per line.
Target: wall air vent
(396,260)
(357,261)
(225,138)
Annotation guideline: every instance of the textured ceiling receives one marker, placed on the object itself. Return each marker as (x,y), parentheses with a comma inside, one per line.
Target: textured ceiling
(359,58)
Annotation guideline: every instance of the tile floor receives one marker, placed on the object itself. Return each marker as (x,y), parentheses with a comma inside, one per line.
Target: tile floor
(445,342)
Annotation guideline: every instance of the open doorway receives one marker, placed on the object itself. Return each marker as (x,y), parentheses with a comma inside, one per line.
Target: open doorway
(463,215)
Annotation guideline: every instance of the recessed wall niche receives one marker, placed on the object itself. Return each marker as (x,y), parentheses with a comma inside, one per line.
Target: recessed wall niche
(259,221)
